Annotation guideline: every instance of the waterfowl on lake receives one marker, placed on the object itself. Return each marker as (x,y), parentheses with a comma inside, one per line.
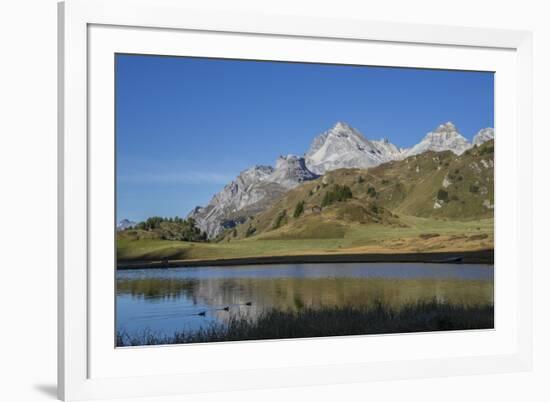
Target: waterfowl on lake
(203,313)
(248,303)
(226,308)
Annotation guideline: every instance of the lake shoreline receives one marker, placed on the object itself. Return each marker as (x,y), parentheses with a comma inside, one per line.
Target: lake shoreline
(458,257)
(426,316)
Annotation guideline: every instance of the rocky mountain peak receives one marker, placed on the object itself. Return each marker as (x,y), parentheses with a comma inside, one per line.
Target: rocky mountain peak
(344,130)
(284,160)
(255,173)
(344,147)
(252,190)
(125,224)
(444,138)
(341,126)
(291,170)
(448,127)
(484,135)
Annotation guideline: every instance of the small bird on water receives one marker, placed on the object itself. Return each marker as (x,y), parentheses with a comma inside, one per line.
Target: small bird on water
(203,313)
(248,303)
(226,308)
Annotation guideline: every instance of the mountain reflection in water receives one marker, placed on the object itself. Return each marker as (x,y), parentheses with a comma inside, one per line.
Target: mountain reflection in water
(169,300)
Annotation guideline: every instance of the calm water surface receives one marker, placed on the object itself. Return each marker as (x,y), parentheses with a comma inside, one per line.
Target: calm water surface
(169,300)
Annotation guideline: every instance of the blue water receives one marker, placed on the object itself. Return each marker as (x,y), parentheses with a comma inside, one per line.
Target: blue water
(167,300)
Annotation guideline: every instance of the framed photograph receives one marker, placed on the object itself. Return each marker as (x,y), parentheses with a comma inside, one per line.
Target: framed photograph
(253,201)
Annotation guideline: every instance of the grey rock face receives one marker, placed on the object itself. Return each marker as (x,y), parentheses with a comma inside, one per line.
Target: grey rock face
(483,135)
(444,138)
(251,192)
(344,147)
(291,170)
(256,188)
(125,224)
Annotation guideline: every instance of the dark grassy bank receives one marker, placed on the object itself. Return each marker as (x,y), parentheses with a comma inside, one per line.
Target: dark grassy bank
(333,321)
(470,257)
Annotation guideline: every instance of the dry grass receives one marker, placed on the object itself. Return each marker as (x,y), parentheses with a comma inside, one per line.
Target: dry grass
(330,321)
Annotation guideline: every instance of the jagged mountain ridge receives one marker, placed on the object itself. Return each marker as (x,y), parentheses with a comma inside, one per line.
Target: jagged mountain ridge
(124,224)
(343,146)
(251,192)
(483,135)
(440,185)
(444,138)
(256,188)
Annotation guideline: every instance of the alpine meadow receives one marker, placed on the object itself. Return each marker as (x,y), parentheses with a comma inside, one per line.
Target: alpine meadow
(237,221)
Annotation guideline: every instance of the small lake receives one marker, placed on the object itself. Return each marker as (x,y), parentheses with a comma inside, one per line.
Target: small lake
(168,300)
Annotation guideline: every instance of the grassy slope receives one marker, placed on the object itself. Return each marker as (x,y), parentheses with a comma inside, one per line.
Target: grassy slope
(400,218)
(452,236)
(408,188)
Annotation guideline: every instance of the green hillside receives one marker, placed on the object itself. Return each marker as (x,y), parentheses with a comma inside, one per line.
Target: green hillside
(438,186)
(429,202)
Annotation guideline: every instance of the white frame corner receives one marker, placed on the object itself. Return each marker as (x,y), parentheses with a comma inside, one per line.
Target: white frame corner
(75,16)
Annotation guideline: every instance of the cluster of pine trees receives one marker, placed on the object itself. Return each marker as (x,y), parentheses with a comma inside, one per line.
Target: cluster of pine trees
(336,194)
(175,228)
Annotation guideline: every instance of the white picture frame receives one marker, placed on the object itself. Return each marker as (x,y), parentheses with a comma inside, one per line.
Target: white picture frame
(90,31)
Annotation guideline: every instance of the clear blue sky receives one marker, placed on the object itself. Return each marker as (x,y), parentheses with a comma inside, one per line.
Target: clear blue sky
(187,126)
